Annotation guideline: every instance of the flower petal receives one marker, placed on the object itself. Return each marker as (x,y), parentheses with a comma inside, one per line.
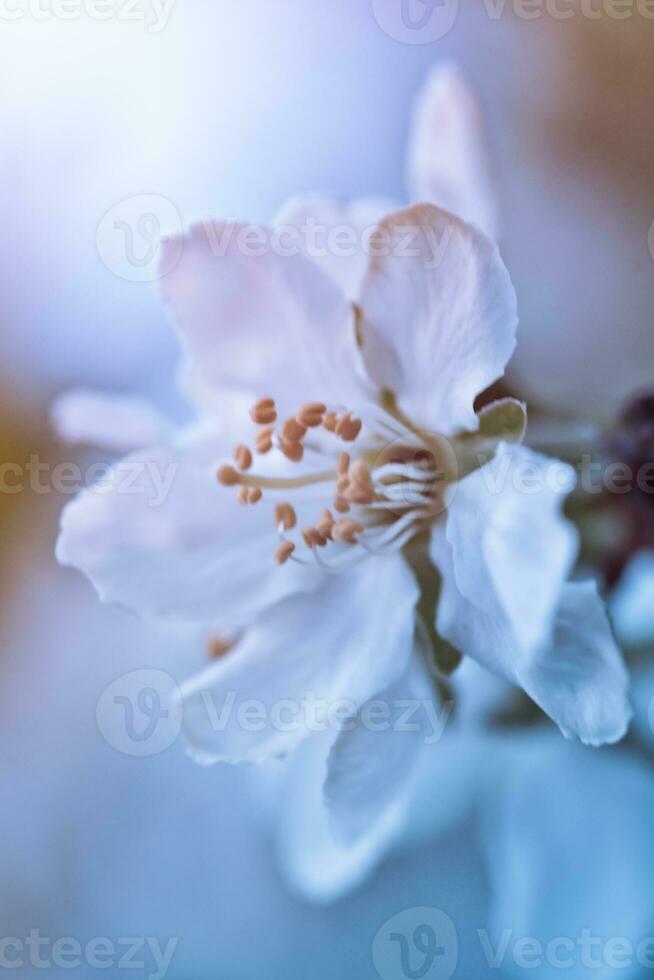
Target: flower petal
(504,556)
(334,234)
(304,666)
(438,317)
(448,163)
(579,679)
(160,535)
(316,864)
(112,422)
(254,319)
(373,758)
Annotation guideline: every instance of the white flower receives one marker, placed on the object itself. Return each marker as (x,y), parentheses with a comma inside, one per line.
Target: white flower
(427,531)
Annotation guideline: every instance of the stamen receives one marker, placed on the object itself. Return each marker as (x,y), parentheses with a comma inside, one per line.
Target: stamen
(310,415)
(254,495)
(264,440)
(343,464)
(326,524)
(341,505)
(228,476)
(346,530)
(285,517)
(329,421)
(284,552)
(218,647)
(231,478)
(292,431)
(313,538)
(243,495)
(348,428)
(263,412)
(292,450)
(243,457)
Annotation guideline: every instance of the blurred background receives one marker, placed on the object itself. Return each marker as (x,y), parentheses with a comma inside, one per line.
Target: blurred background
(212,107)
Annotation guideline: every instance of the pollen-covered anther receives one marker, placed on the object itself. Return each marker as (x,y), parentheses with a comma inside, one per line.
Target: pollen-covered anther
(343,464)
(346,531)
(325,524)
(292,431)
(342,485)
(218,647)
(359,489)
(348,428)
(285,517)
(313,538)
(311,414)
(249,495)
(341,505)
(228,476)
(264,412)
(264,440)
(284,552)
(243,457)
(292,450)
(329,421)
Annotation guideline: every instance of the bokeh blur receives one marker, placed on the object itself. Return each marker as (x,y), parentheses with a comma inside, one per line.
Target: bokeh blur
(212,107)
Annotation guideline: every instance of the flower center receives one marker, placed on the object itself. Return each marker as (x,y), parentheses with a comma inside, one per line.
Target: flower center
(384,489)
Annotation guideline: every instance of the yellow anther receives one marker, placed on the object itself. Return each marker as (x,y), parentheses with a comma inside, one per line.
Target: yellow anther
(313,538)
(263,412)
(284,552)
(348,428)
(292,431)
(292,450)
(243,457)
(346,530)
(228,476)
(285,515)
(310,415)
(343,464)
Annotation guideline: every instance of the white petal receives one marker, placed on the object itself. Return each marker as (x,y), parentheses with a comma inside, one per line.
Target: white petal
(448,163)
(315,863)
(504,556)
(579,679)
(161,536)
(438,316)
(371,762)
(254,319)
(334,234)
(112,422)
(306,664)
